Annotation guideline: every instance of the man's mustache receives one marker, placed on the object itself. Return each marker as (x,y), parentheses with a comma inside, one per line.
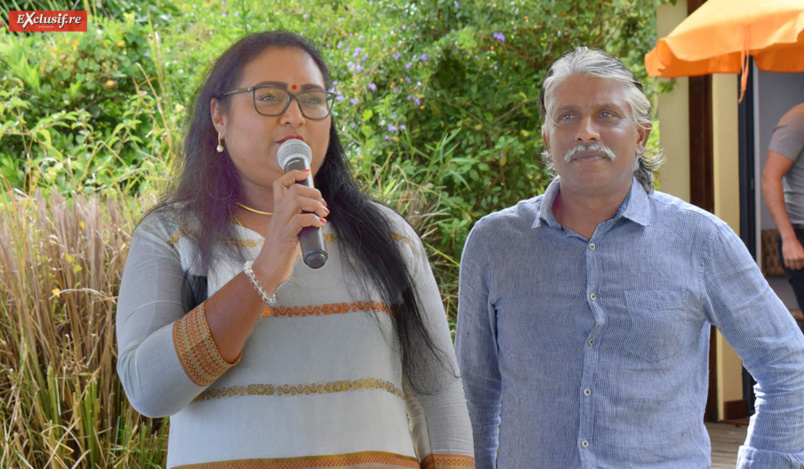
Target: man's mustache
(587,150)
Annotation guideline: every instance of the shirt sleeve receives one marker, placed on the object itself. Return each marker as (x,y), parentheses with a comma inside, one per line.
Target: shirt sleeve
(439,420)
(166,356)
(476,344)
(741,304)
(788,140)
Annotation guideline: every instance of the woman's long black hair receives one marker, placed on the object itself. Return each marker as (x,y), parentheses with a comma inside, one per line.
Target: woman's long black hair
(209,188)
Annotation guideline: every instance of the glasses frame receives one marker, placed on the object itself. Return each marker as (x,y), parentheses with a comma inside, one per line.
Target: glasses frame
(330,97)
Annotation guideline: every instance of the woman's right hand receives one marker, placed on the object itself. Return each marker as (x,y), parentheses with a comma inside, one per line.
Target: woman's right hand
(296,206)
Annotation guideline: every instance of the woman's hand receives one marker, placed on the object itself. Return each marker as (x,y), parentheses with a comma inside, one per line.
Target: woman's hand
(296,206)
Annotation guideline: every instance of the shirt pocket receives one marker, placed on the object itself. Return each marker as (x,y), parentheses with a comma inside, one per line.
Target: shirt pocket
(658,322)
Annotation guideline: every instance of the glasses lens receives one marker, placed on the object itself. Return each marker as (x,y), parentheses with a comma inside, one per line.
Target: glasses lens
(315,104)
(270,101)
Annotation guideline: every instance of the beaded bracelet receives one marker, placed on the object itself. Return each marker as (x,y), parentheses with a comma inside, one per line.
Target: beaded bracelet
(269,300)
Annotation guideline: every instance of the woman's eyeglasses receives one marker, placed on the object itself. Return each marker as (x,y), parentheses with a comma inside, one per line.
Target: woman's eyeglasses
(274,101)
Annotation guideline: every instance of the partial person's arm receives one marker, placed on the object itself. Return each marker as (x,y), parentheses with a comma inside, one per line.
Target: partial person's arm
(741,304)
(167,356)
(476,345)
(776,167)
(442,432)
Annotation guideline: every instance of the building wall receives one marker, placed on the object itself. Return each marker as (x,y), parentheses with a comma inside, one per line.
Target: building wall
(726,157)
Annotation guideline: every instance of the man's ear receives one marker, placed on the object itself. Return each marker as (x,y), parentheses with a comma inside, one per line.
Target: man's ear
(643,133)
(546,139)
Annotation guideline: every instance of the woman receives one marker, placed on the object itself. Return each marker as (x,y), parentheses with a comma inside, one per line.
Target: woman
(260,360)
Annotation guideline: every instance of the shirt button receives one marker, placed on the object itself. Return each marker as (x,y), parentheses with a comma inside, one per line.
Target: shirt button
(591,246)
(590,342)
(585,444)
(587,392)
(592,296)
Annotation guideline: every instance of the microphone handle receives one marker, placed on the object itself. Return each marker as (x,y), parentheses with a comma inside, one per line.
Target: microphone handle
(311,238)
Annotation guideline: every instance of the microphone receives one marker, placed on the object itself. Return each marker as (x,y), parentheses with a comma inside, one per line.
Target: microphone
(294,154)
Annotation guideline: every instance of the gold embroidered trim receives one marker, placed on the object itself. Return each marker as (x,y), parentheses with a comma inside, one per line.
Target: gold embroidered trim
(299,389)
(174,238)
(328,309)
(196,349)
(399,237)
(448,461)
(366,459)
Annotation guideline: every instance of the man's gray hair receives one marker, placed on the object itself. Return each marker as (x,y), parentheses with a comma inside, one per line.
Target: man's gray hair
(596,63)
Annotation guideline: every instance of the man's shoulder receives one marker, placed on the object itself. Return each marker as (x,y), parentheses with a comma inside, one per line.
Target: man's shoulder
(674,211)
(522,215)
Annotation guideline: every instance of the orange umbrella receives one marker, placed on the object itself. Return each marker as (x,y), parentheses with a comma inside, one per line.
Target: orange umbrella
(720,35)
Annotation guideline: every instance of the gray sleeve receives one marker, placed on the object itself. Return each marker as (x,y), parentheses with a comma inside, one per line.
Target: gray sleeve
(439,421)
(152,298)
(788,140)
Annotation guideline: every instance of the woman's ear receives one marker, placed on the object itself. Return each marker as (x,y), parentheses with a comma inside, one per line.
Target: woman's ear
(218,116)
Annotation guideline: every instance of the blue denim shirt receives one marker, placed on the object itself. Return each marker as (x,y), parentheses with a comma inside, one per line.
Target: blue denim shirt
(593,353)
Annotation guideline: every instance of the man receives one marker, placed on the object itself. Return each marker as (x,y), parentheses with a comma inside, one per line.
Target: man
(783,186)
(584,313)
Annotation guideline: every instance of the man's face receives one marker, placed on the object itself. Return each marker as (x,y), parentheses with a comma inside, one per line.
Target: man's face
(587,113)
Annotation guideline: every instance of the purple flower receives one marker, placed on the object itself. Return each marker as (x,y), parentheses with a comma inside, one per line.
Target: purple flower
(495,67)
(407,65)
(499,36)
(395,55)
(393,116)
(147,54)
(417,101)
(236,14)
(396,90)
(305,16)
(353,101)
(339,98)
(224,14)
(402,127)
(357,51)
(392,128)
(457,5)
(360,37)
(350,64)
(387,137)
(372,87)
(418,83)
(359,68)
(352,125)
(407,79)
(365,57)
(424,57)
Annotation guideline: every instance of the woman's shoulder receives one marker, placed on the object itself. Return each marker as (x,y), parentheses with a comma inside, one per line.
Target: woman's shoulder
(402,230)
(164,222)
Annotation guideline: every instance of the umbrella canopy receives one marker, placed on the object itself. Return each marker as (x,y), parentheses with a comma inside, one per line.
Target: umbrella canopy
(720,35)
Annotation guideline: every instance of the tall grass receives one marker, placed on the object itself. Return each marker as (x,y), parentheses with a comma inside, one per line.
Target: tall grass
(61,404)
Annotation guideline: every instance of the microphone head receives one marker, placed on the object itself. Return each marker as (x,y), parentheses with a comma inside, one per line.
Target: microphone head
(293,148)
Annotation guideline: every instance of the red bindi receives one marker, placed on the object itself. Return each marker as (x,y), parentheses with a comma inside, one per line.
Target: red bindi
(293,87)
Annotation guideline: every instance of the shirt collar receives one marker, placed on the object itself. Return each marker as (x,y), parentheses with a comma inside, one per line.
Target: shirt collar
(635,207)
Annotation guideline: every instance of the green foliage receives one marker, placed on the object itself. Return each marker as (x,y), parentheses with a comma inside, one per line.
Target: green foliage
(442,91)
